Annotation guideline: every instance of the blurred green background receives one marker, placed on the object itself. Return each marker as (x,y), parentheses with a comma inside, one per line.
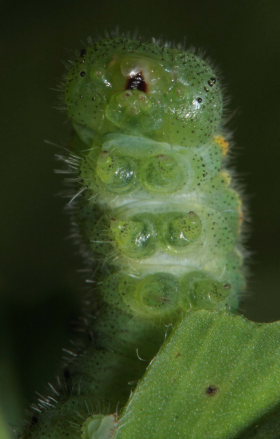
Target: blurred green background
(40,286)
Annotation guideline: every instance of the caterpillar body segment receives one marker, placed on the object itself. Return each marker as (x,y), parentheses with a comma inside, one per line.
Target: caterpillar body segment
(153,170)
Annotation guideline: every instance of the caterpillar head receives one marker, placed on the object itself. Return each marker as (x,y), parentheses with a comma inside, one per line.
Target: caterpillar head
(144,89)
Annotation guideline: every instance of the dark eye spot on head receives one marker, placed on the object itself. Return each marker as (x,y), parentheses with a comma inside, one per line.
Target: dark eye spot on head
(199,100)
(83,52)
(211,390)
(137,82)
(212,81)
(82,74)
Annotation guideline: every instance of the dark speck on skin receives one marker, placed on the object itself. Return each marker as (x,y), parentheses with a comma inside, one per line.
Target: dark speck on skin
(34,420)
(212,390)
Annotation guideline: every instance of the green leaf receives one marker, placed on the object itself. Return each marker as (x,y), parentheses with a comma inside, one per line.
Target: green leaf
(268,427)
(218,376)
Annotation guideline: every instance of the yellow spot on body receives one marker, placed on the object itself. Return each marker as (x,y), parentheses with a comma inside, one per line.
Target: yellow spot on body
(223,143)
(241,214)
(226,176)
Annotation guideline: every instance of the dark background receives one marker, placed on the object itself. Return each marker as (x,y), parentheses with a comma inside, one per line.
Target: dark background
(39,283)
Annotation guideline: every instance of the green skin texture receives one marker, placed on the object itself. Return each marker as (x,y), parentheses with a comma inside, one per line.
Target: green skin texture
(158,217)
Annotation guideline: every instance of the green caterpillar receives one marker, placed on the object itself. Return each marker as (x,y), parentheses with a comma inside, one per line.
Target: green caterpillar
(158,218)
